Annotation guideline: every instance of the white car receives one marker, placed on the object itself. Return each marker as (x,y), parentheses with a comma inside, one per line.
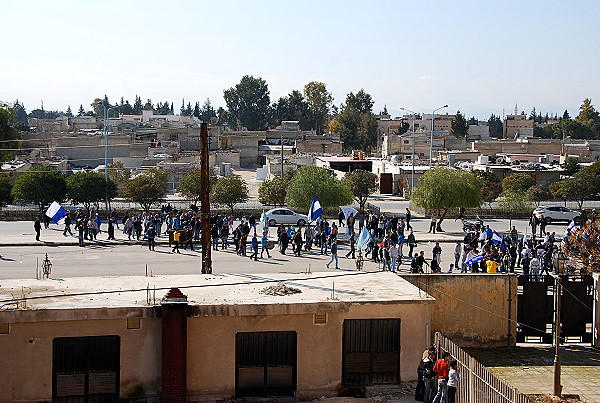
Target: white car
(278,216)
(556,213)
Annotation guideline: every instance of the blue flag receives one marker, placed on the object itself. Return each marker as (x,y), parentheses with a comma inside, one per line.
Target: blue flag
(315,210)
(496,238)
(363,238)
(56,212)
(474,259)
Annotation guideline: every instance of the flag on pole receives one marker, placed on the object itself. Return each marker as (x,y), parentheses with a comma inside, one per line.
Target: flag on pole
(56,212)
(571,227)
(496,238)
(347,210)
(315,210)
(363,239)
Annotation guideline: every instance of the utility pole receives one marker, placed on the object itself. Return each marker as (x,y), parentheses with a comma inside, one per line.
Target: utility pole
(205,200)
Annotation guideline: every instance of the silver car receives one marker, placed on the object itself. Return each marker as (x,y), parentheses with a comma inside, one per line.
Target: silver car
(555,213)
(278,216)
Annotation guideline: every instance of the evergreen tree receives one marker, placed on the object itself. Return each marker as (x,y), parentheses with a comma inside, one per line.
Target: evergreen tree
(172,111)
(533,115)
(69,113)
(460,127)
(149,106)
(182,109)
(566,115)
(81,111)
(495,125)
(197,110)
(137,106)
(189,110)
(207,112)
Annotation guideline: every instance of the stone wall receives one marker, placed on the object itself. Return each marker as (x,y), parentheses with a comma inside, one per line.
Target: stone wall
(472,310)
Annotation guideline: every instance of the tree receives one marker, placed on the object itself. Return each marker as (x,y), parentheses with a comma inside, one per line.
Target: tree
(563,189)
(514,202)
(137,105)
(566,115)
(319,101)
(356,124)
(248,103)
(190,186)
(291,107)
(273,191)
(9,135)
(118,174)
(583,244)
(40,185)
(229,191)
(207,112)
(571,166)
(88,188)
(460,127)
(362,184)
(81,111)
(68,112)
(490,186)
(496,127)
(442,189)
(362,101)
(311,181)
(538,193)
(402,128)
(5,188)
(578,188)
(146,188)
(518,182)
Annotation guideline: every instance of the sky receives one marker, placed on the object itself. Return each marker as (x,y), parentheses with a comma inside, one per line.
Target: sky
(479,57)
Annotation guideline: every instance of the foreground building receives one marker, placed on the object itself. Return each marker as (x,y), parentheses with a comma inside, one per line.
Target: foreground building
(213,337)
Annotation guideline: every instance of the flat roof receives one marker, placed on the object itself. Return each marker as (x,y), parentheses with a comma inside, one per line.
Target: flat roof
(341,159)
(208,290)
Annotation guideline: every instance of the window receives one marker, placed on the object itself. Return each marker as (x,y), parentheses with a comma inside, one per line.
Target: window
(265,364)
(371,352)
(85,369)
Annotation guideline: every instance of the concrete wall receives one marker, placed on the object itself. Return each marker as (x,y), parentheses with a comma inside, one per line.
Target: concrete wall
(26,359)
(472,309)
(319,346)
(89,150)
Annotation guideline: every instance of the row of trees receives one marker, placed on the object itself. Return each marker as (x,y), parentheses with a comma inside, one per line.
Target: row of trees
(585,126)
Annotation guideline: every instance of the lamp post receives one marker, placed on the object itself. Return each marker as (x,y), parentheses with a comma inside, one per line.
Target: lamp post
(412,158)
(559,261)
(106,110)
(431,139)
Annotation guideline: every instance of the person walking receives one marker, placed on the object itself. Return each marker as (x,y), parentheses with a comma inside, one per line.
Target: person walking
(68,223)
(37,226)
(408,216)
(412,243)
(334,249)
(176,236)
(352,241)
(264,241)
(254,247)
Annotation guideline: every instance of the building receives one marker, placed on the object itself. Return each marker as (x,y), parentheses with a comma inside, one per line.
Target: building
(212,338)
(517,126)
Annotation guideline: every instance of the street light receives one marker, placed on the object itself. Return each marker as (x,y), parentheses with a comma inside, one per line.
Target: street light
(412,158)
(559,261)
(431,139)
(106,110)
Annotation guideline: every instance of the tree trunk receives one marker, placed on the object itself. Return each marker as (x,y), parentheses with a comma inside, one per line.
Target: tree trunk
(438,227)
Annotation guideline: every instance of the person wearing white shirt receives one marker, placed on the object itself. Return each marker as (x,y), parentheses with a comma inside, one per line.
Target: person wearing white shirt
(453,378)
(394,256)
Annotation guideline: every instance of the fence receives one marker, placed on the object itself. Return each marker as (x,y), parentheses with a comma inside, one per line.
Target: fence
(477,384)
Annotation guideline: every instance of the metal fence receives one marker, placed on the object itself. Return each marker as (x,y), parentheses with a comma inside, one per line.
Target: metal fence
(477,384)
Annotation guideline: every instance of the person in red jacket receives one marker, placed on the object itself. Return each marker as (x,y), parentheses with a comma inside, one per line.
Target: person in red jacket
(442,369)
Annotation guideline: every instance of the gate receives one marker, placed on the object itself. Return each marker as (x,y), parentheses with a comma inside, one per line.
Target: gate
(265,364)
(371,352)
(85,369)
(536,309)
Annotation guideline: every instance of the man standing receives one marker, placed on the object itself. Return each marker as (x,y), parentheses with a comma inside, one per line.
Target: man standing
(412,242)
(429,376)
(442,369)
(408,215)
(176,236)
(151,234)
(433,223)
(37,226)
(457,253)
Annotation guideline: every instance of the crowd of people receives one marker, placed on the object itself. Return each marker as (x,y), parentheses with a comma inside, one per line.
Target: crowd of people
(392,241)
(437,378)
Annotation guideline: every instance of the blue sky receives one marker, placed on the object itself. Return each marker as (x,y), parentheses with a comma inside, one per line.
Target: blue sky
(476,56)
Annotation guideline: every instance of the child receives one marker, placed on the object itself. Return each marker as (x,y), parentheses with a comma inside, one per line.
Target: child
(453,378)
(451,268)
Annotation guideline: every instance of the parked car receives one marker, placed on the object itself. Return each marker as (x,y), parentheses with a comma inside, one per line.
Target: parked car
(556,213)
(278,216)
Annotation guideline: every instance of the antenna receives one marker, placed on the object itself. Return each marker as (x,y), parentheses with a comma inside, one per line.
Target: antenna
(516,109)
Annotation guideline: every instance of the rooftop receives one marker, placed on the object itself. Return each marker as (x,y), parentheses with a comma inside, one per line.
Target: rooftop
(226,290)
